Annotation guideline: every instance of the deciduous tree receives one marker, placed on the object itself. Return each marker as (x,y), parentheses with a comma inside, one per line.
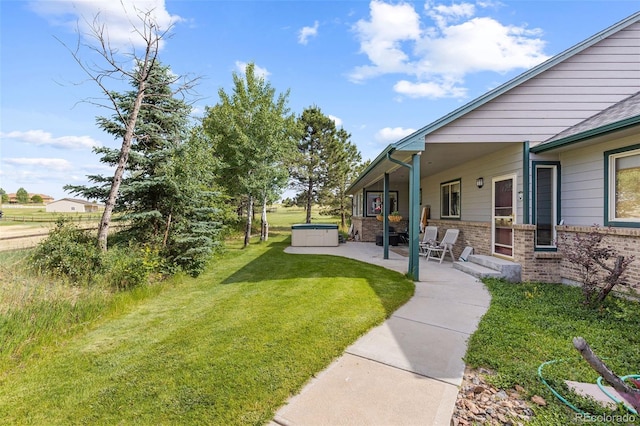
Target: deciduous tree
(22,196)
(253,134)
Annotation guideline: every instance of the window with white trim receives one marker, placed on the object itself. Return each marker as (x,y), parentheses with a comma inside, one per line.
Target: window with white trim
(450,200)
(624,186)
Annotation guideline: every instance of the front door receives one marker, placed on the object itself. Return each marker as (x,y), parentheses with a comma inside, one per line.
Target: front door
(503,195)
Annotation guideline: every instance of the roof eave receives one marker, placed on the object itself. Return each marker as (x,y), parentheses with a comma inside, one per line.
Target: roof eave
(588,134)
(503,88)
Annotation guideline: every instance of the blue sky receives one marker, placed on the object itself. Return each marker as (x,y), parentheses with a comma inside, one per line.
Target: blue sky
(380,69)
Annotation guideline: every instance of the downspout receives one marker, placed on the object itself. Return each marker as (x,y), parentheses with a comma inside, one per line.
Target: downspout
(414,212)
(526,214)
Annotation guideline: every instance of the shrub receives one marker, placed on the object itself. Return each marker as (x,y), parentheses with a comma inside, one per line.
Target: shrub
(601,267)
(125,268)
(68,252)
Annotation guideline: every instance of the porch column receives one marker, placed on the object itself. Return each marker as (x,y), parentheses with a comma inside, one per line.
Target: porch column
(414,217)
(385,217)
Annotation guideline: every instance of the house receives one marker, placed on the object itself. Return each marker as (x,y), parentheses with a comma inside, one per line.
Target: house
(546,155)
(13,198)
(71,205)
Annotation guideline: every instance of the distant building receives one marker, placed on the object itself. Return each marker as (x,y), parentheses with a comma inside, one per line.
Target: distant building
(72,205)
(46,199)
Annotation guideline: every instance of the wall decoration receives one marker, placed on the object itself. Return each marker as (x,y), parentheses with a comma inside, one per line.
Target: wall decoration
(375,200)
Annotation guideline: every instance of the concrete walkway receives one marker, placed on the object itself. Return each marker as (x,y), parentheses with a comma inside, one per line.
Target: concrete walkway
(406,371)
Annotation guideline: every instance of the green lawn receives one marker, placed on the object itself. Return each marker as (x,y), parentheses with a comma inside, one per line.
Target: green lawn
(528,324)
(226,348)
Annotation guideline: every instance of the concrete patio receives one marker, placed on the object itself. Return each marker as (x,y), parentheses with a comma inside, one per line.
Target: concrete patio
(407,370)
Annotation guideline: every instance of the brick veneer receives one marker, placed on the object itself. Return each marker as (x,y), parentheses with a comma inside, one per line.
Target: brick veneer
(369,227)
(540,266)
(625,241)
(474,234)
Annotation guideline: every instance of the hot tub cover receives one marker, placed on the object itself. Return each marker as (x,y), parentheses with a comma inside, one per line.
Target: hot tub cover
(314,226)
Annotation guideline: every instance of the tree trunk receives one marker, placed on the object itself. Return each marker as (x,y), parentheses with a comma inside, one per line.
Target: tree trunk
(264,225)
(247,231)
(309,196)
(632,396)
(103,229)
(613,278)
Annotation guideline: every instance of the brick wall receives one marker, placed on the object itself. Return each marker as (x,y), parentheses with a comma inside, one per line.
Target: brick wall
(626,241)
(474,234)
(369,227)
(540,266)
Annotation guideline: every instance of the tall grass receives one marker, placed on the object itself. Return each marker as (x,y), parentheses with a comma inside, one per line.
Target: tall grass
(37,311)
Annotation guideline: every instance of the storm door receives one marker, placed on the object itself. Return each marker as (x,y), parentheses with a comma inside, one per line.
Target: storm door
(503,216)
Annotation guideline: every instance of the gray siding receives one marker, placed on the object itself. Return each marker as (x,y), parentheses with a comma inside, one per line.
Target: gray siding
(476,203)
(573,90)
(582,193)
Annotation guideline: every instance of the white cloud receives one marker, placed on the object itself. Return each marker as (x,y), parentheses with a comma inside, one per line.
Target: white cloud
(259,71)
(480,44)
(55,164)
(42,138)
(118,17)
(438,50)
(429,89)
(381,38)
(335,119)
(307,32)
(392,134)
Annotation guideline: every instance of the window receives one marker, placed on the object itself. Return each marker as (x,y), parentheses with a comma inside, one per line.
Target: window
(622,177)
(375,202)
(450,200)
(546,205)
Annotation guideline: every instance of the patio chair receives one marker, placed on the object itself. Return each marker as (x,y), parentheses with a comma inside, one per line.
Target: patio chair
(428,239)
(439,250)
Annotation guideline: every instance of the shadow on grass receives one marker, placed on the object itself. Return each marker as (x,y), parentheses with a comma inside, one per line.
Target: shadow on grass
(392,288)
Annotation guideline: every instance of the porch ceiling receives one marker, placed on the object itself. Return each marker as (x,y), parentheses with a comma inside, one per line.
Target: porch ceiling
(436,158)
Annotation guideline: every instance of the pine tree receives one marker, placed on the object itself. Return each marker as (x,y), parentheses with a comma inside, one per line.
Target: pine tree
(164,205)
(309,169)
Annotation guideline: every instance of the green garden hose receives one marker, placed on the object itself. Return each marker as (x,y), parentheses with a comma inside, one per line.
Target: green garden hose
(613,397)
(555,392)
(600,385)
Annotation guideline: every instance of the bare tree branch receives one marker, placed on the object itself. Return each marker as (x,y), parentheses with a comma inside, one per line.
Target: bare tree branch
(114,68)
(632,396)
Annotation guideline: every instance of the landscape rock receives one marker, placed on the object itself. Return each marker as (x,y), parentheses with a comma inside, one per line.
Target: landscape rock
(481,403)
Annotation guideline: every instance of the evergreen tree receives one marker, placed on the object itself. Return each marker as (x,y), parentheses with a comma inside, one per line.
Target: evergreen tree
(165,205)
(309,169)
(343,166)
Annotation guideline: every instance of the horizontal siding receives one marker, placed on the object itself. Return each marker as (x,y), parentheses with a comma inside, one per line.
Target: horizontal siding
(539,89)
(469,135)
(583,182)
(476,203)
(579,107)
(577,88)
(606,58)
(626,63)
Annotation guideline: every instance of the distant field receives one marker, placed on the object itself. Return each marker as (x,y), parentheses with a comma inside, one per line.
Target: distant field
(21,215)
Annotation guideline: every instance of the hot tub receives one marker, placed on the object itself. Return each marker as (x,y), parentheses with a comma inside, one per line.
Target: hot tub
(314,235)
